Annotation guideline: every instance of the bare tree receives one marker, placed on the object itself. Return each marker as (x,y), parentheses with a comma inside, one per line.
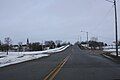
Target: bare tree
(0,45)
(58,43)
(0,42)
(20,47)
(8,42)
(94,39)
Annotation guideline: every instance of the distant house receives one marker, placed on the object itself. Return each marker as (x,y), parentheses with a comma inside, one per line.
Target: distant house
(50,44)
(22,47)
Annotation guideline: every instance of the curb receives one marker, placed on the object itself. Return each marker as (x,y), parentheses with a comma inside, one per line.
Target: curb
(110,58)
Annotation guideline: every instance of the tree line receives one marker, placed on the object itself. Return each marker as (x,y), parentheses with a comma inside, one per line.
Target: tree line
(7,45)
(93,44)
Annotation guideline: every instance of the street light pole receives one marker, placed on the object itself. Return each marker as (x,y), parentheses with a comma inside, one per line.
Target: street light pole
(87,39)
(86,36)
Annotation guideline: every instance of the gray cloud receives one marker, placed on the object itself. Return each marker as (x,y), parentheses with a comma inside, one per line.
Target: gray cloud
(56,19)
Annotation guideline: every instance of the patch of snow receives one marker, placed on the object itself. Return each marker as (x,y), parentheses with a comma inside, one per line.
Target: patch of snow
(17,57)
(113,51)
(110,47)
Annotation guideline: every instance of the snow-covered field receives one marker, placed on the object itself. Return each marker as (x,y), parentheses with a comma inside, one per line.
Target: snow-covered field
(17,57)
(112,51)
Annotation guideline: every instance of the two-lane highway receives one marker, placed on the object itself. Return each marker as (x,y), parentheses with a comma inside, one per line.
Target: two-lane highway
(71,64)
(34,70)
(85,66)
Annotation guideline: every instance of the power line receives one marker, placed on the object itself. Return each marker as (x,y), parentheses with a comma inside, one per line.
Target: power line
(99,36)
(106,15)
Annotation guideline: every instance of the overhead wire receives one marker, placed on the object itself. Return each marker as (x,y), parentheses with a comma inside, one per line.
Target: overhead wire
(102,21)
(106,15)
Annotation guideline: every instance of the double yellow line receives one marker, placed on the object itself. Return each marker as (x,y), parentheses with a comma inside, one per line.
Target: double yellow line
(55,71)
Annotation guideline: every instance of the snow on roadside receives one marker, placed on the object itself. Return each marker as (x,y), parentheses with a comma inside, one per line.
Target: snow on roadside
(8,60)
(112,51)
(17,57)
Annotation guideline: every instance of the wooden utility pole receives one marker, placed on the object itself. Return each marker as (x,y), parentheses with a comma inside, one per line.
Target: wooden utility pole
(116,31)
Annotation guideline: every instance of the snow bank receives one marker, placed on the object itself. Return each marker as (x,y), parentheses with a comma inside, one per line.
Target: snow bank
(113,51)
(17,57)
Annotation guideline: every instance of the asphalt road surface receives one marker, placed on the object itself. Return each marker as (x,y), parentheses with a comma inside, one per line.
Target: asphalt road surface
(70,64)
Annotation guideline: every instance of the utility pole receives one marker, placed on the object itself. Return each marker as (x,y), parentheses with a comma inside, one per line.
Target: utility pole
(87,36)
(42,46)
(80,39)
(116,30)
(87,39)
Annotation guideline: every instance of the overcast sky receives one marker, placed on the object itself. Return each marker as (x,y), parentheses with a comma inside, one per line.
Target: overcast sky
(57,19)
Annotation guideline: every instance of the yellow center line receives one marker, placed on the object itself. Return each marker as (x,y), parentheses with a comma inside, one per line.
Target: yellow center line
(55,71)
